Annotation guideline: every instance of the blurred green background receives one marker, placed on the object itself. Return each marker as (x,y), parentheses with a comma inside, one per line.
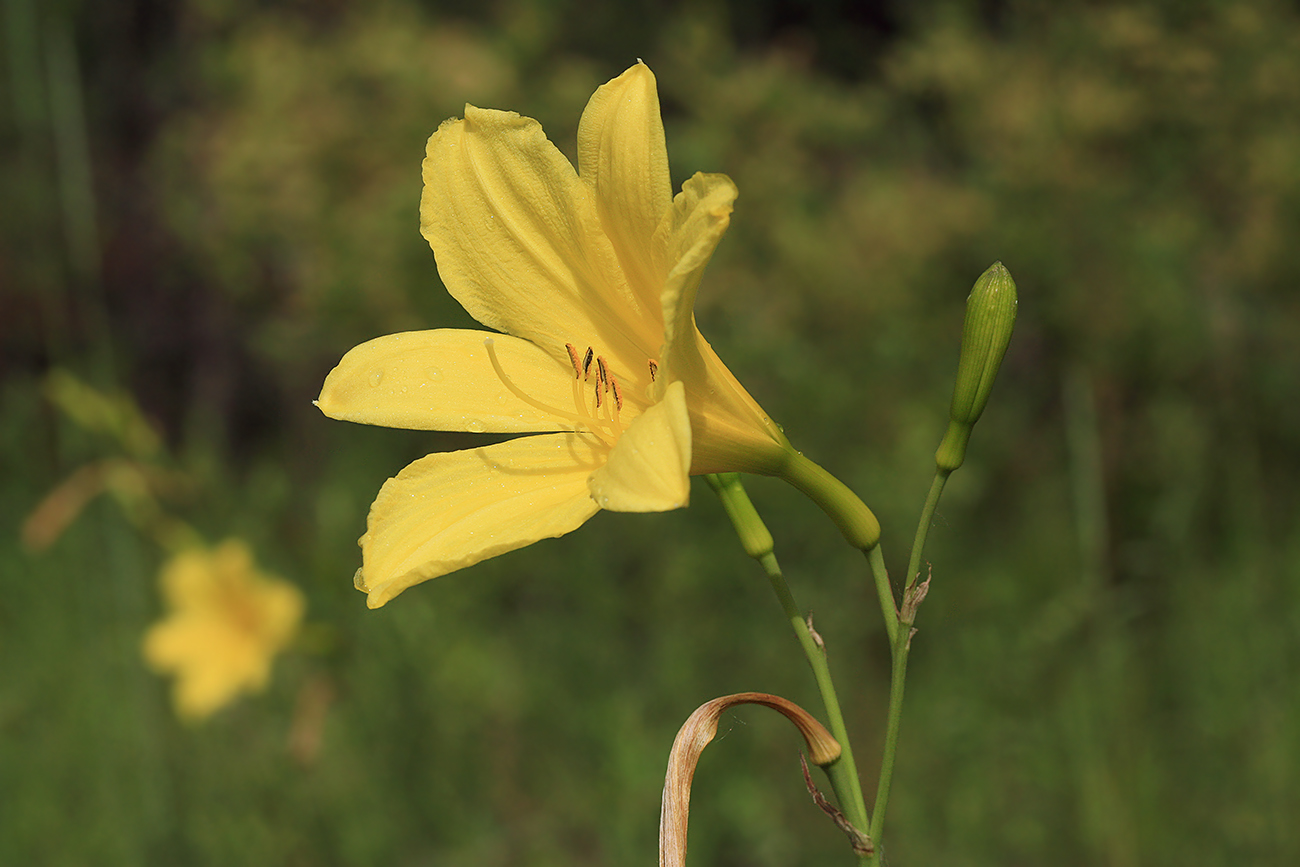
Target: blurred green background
(206,202)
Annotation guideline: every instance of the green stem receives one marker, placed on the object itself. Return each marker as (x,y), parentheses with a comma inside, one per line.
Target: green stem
(885,592)
(923,526)
(757,541)
(900,645)
(843,773)
(898,675)
(850,514)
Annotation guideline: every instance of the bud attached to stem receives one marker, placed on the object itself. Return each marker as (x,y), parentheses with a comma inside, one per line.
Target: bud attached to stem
(990,317)
(754,535)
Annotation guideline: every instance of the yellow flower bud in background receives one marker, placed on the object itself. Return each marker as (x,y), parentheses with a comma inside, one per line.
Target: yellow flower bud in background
(990,317)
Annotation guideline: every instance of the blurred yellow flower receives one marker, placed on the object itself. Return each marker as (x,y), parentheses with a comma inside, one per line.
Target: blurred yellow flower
(226,622)
(592,276)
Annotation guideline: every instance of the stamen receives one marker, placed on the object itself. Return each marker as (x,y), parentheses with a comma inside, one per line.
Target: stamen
(603,371)
(618,394)
(573,357)
(577,397)
(654,368)
(580,420)
(599,392)
(586,364)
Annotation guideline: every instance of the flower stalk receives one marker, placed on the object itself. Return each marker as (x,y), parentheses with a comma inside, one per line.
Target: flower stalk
(757,542)
(990,318)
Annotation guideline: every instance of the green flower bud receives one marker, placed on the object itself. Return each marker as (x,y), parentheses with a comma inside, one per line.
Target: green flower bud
(990,316)
(754,535)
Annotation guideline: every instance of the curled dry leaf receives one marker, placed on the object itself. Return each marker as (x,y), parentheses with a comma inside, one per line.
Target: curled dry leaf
(691,740)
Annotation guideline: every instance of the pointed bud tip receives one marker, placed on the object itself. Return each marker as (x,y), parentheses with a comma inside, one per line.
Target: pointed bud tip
(994,282)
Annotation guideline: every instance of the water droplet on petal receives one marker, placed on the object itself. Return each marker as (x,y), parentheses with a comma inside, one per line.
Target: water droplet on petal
(433,374)
(376,378)
(475,426)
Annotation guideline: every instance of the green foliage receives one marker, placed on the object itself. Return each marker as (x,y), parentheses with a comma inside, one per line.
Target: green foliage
(1106,666)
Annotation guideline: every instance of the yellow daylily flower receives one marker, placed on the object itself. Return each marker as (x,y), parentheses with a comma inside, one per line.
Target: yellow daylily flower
(226,622)
(591,276)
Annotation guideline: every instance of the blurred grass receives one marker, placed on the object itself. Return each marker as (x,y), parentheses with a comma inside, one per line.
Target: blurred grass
(208,203)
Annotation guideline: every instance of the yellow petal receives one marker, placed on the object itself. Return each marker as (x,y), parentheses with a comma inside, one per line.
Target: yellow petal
(648,468)
(444,380)
(212,663)
(518,241)
(448,511)
(187,578)
(699,218)
(280,608)
(623,156)
(731,431)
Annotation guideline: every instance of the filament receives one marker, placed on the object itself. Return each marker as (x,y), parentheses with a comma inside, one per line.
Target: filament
(582,421)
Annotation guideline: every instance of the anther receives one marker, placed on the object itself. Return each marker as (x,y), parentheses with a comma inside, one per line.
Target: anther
(654,368)
(618,394)
(599,390)
(573,357)
(586,363)
(603,372)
